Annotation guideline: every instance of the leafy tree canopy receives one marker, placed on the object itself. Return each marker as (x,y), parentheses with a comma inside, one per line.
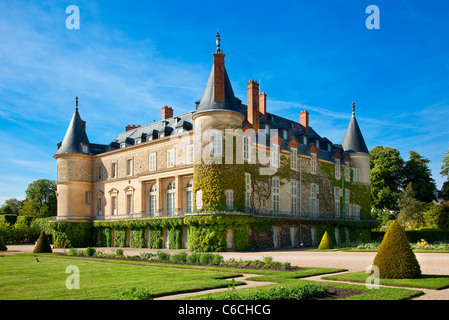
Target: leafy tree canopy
(40,199)
(417,171)
(386,177)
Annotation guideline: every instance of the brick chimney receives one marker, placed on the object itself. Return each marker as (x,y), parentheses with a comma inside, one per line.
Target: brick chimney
(219,77)
(167,112)
(263,104)
(131,127)
(253,104)
(304,119)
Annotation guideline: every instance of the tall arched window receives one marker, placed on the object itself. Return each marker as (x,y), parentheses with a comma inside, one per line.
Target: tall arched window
(152,200)
(171,189)
(189,196)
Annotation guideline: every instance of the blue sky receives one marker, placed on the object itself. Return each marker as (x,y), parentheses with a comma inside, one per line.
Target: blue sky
(130,58)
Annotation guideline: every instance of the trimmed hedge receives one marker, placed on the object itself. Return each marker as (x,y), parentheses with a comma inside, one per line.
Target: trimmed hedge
(326,242)
(395,258)
(2,245)
(43,245)
(430,235)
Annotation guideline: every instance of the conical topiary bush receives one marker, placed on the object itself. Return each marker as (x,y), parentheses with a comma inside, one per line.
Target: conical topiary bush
(326,242)
(395,258)
(2,245)
(43,245)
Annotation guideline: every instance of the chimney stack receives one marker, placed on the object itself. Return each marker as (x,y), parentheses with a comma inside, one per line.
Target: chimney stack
(131,127)
(167,112)
(253,104)
(304,119)
(219,77)
(263,104)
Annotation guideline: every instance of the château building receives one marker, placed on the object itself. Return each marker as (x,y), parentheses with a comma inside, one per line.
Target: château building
(224,176)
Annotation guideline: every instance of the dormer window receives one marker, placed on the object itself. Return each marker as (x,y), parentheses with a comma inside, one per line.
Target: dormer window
(317,143)
(304,140)
(138,140)
(84,147)
(284,134)
(267,129)
(329,147)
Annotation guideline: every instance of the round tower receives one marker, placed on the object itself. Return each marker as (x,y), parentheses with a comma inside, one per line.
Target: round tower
(74,183)
(218,116)
(354,144)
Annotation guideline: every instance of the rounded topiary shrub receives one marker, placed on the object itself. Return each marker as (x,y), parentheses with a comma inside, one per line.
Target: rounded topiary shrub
(395,258)
(2,245)
(43,245)
(326,242)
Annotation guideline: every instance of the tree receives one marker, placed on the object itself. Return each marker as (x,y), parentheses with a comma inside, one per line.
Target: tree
(40,199)
(445,173)
(11,206)
(445,165)
(410,208)
(386,177)
(417,171)
(326,242)
(42,245)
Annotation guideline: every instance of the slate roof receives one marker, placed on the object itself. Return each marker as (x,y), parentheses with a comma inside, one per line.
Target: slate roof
(207,102)
(353,141)
(75,135)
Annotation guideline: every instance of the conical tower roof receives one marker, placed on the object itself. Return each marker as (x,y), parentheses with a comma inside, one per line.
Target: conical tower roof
(75,135)
(353,141)
(218,94)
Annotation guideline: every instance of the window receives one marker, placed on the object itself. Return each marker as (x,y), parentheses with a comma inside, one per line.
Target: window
(171,189)
(337,169)
(129,167)
(337,196)
(294,159)
(317,143)
(216,143)
(189,196)
(313,163)
(152,161)
(247,192)
(100,172)
(230,199)
(275,156)
(284,134)
(99,207)
(313,200)
(114,170)
(170,158)
(129,204)
(87,197)
(246,148)
(347,172)
(304,140)
(276,195)
(294,197)
(138,140)
(267,129)
(199,199)
(356,211)
(152,199)
(347,202)
(189,154)
(114,206)
(356,174)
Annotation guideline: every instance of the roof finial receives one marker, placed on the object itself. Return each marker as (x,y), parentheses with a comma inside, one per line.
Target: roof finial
(353,108)
(218,40)
(76,103)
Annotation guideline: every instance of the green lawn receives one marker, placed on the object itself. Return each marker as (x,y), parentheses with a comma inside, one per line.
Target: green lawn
(425,281)
(21,277)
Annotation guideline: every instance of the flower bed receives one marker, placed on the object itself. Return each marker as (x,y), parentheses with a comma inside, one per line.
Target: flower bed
(190,259)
